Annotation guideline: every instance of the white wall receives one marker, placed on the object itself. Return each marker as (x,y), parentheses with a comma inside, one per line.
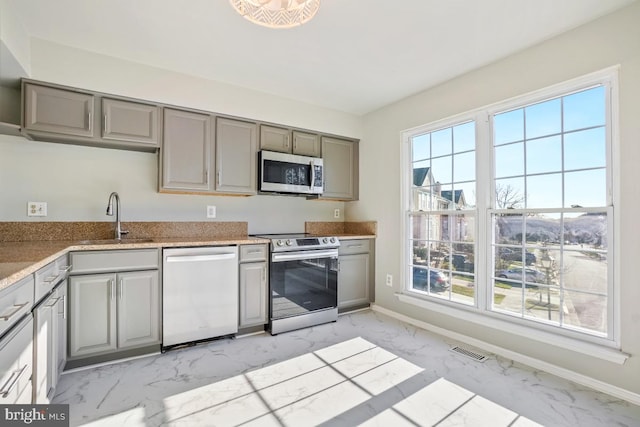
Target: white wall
(611,40)
(76,181)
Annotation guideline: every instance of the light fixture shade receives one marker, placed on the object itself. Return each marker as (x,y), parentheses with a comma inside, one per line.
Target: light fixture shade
(277,13)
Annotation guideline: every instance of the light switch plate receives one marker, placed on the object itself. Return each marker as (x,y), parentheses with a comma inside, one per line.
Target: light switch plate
(336,213)
(211,211)
(37,209)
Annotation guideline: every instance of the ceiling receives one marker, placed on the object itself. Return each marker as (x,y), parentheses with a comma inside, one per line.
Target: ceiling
(354,56)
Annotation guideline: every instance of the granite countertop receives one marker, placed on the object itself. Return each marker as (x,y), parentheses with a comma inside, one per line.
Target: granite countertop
(20,259)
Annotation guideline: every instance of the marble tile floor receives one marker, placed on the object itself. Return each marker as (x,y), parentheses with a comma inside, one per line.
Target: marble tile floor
(366,369)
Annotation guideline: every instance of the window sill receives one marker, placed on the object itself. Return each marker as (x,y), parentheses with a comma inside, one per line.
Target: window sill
(599,351)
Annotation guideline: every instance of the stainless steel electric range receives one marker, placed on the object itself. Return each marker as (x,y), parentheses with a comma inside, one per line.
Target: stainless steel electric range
(303,281)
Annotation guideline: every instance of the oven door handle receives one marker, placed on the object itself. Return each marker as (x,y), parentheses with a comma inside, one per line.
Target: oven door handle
(303,255)
(312,178)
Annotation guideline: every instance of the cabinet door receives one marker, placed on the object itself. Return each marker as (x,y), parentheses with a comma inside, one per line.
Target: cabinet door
(57,110)
(236,156)
(138,309)
(92,314)
(339,169)
(186,151)
(44,350)
(129,121)
(253,294)
(353,280)
(306,144)
(61,313)
(275,139)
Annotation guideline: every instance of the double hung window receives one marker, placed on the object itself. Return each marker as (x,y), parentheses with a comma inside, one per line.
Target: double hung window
(509,210)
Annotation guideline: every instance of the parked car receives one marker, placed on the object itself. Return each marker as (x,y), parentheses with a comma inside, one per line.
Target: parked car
(438,280)
(510,254)
(459,262)
(515,273)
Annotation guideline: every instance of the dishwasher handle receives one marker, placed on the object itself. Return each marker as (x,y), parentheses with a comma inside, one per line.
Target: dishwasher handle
(200,258)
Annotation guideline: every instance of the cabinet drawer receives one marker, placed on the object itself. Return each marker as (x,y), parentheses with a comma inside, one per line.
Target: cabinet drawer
(113,261)
(16,364)
(49,276)
(15,301)
(253,253)
(355,246)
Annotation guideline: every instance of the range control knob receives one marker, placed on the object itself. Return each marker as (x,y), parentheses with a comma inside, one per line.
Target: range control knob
(325,240)
(333,240)
(289,242)
(279,243)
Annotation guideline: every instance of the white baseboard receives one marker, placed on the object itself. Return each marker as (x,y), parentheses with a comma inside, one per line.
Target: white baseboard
(518,357)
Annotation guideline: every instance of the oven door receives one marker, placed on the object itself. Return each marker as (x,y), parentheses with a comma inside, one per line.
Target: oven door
(288,173)
(303,282)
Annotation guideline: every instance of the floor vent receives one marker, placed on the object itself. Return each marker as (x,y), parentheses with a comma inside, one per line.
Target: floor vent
(470,354)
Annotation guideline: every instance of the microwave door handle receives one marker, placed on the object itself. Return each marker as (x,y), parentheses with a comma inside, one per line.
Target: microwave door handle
(313,174)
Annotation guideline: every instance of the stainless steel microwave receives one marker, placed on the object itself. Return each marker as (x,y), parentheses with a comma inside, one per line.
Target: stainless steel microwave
(290,173)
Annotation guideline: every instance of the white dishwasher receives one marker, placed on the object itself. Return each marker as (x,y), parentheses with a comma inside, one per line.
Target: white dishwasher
(199,293)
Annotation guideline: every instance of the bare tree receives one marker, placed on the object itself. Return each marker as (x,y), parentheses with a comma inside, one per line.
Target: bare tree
(508,197)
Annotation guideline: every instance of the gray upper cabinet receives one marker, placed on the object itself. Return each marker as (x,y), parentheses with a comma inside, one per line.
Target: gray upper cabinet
(68,115)
(187,151)
(60,111)
(236,156)
(286,141)
(129,121)
(340,159)
(306,144)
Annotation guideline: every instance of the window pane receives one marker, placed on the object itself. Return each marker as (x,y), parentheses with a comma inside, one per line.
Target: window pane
(585,149)
(441,169)
(464,167)
(441,142)
(507,297)
(584,109)
(508,127)
(457,228)
(464,137)
(586,188)
(585,311)
(543,302)
(543,119)
(421,148)
(510,193)
(462,288)
(421,227)
(544,155)
(589,231)
(584,272)
(509,229)
(544,191)
(468,196)
(509,160)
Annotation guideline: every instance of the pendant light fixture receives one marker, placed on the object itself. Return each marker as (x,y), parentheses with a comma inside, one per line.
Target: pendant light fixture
(277,13)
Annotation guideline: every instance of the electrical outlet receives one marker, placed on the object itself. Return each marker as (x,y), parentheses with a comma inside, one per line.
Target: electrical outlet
(37,209)
(211,211)
(389,280)
(336,213)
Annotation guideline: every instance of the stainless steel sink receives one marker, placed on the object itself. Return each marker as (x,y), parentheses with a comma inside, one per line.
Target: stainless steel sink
(113,241)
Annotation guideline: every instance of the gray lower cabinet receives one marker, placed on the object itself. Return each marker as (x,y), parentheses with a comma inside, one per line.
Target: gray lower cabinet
(354,274)
(130,121)
(113,311)
(50,109)
(187,152)
(236,156)
(254,286)
(340,159)
(114,304)
(16,363)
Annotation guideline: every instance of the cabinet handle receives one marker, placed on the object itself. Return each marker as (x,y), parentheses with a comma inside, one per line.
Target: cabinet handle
(113,288)
(89,126)
(14,310)
(49,279)
(104,122)
(121,288)
(355,246)
(11,382)
(53,303)
(206,175)
(64,306)
(218,179)
(295,143)
(286,142)
(66,268)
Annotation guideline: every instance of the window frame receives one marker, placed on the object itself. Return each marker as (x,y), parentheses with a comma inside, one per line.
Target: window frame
(485,186)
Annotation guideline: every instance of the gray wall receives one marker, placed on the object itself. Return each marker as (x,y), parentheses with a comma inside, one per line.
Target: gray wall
(611,40)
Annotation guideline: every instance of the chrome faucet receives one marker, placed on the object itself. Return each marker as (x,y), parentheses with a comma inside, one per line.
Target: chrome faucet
(118,232)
